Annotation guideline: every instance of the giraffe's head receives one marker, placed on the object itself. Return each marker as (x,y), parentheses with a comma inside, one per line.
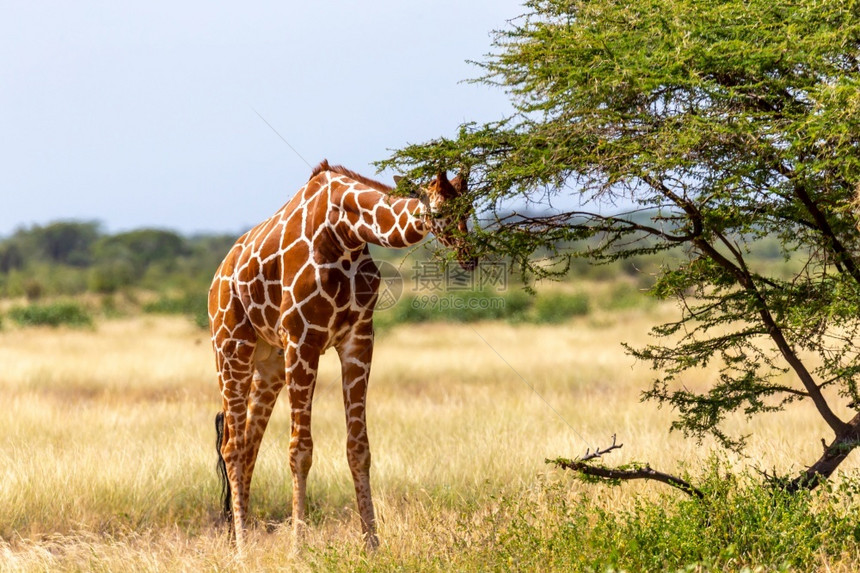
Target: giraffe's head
(448,216)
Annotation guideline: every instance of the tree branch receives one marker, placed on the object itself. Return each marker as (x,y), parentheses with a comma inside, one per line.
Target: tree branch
(562,221)
(636,471)
(821,222)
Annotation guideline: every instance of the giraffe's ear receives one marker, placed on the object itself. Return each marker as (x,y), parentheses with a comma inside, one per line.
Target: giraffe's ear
(447,190)
(398,179)
(459,183)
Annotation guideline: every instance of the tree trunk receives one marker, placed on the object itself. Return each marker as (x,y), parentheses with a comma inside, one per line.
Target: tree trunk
(833,455)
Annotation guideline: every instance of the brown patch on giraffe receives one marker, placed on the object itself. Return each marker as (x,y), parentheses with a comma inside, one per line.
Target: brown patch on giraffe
(275,292)
(268,396)
(250,270)
(343,316)
(311,188)
(264,232)
(349,202)
(355,429)
(222,333)
(316,216)
(293,224)
(341,297)
(368,201)
(271,243)
(245,331)
(256,315)
(318,311)
(272,315)
(305,283)
(355,393)
(229,263)
(287,301)
(384,219)
(224,294)
(257,292)
(300,251)
(412,235)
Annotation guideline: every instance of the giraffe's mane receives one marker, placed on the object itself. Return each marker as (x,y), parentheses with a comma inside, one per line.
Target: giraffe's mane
(340,169)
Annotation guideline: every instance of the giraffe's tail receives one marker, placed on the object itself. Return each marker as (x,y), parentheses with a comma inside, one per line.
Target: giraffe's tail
(226,493)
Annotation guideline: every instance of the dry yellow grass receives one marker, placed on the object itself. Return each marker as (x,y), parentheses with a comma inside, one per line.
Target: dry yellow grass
(107,441)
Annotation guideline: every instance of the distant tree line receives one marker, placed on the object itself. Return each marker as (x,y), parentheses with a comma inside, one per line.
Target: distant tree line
(73,257)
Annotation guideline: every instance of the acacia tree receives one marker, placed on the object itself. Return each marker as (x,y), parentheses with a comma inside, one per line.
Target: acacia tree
(719,124)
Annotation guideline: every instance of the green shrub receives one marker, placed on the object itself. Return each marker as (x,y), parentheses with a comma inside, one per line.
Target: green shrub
(556,307)
(518,304)
(625,296)
(408,310)
(741,525)
(52,314)
(193,304)
(109,277)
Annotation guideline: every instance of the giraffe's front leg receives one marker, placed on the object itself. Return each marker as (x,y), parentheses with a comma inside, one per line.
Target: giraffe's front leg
(301,367)
(355,356)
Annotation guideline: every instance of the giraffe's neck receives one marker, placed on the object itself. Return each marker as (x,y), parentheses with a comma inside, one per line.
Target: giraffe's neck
(360,215)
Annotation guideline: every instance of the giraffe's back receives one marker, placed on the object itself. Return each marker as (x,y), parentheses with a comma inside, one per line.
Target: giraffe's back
(288,275)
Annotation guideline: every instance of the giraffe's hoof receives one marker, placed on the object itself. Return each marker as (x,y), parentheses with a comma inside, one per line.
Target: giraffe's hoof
(299,531)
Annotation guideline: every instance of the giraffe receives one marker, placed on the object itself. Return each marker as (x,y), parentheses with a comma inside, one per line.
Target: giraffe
(300,282)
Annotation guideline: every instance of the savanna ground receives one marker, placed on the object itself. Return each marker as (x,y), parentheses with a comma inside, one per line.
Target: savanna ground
(107,454)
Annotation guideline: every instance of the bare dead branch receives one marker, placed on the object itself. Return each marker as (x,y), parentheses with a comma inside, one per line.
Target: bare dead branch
(589,455)
(632,471)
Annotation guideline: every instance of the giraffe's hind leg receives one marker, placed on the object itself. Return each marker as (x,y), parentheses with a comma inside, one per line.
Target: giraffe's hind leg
(269,378)
(234,358)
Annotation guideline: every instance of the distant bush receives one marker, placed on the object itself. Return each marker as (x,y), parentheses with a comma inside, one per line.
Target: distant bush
(625,295)
(33,290)
(556,307)
(109,277)
(192,304)
(51,314)
(518,303)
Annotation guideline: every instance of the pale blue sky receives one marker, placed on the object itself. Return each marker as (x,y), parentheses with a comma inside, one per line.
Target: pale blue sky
(142,113)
